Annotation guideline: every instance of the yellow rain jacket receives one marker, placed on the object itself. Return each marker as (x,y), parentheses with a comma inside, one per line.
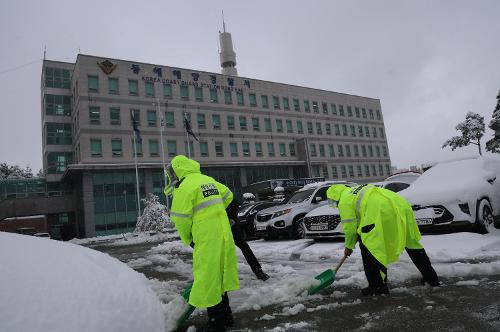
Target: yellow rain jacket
(382,218)
(198,211)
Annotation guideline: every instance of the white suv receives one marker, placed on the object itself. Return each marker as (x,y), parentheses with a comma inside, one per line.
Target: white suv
(286,219)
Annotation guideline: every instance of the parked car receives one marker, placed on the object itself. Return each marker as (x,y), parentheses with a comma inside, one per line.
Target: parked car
(323,222)
(457,193)
(395,186)
(246,215)
(286,219)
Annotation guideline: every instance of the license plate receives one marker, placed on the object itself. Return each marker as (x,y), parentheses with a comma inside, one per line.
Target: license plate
(424,221)
(319,227)
(261,227)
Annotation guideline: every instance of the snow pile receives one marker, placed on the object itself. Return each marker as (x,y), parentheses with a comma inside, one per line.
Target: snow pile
(128,238)
(55,286)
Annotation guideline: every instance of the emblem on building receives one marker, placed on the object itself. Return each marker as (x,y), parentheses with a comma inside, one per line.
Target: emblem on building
(107,66)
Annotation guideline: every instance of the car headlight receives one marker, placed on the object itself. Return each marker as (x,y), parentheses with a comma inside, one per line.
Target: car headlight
(280,213)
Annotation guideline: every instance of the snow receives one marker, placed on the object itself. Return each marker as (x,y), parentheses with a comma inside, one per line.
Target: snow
(54,286)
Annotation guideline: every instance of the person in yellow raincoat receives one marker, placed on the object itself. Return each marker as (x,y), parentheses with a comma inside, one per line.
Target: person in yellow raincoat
(198,212)
(384,224)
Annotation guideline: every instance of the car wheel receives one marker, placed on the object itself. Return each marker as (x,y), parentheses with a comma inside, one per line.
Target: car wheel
(484,221)
(298,231)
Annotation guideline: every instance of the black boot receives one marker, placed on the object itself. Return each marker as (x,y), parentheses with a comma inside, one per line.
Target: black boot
(216,318)
(261,274)
(433,283)
(228,314)
(374,291)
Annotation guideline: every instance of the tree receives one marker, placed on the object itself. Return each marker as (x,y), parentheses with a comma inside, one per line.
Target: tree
(14,172)
(154,216)
(493,145)
(472,130)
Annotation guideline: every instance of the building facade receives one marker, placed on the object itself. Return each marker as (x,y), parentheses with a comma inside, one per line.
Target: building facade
(248,130)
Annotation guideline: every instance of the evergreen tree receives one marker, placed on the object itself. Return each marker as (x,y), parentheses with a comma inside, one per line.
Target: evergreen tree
(154,217)
(14,172)
(493,145)
(472,130)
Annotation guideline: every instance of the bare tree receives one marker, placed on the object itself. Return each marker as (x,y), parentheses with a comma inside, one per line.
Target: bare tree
(472,130)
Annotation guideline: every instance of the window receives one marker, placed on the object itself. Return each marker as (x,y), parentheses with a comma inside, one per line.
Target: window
(349,111)
(132,87)
(315,107)
(57,162)
(353,131)
(388,169)
(367,132)
(200,119)
(204,149)
(359,171)
(282,149)
(167,90)
(151,118)
(169,119)
(328,129)
(150,89)
(286,103)
(58,133)
(230,122)
(360,131)
(341,110)
(351,171)
(356,151)
(189,150)
(57,78)
(384,151)
(153,148)
(93,83)
(291,148)
(377,151)
(95,148)
(289,126)
(370,151)
(379,117)
(198,93)
(356,110)
(135,115)
(381,131)
(381,172)
(337,130)
(296,105)
(279,125)
(312,148)
(343,171)
(113,86)
(276,102)
(347,151)
(367,170)
(243,123)
(331,150)
(315,172)
(114,116)
(94,115)
(374,132)
(116,147)
(172,148)
(138,148)
(310,128)
(319,130)
(214,96)
(246,149)
(216,121)
(184,92)
(340,150)
(270,149)
(233,146)
(300,129)
(307,107)
(253,99)
(325,108)
(57,105)
(374,170)
(258,149)
(363,150)
(256,124)
(363,112)
(335,174)
(371,114)
(334,109)
(219,151)
(264,100)
(239,98)
(228,98)
(267,124)
(344,130)
(321,150)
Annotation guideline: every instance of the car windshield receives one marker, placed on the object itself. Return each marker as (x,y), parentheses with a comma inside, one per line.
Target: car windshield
(300,196)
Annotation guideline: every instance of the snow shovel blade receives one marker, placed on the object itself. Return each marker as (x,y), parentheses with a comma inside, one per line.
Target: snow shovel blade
(326,278)
(189,310)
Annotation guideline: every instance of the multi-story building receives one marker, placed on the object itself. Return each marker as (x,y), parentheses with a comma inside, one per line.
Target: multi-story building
(249,130)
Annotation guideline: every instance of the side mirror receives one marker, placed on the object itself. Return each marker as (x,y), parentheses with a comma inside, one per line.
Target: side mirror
(317,199)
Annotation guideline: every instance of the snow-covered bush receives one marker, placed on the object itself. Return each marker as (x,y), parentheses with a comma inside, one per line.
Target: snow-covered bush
(154,217)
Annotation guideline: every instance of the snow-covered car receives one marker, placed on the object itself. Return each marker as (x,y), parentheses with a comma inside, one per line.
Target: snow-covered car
(323,222)
(286,219)
(457,193)
(395,186)
(246,215)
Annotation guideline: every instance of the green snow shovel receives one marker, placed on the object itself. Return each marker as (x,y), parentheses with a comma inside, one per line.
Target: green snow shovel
(189,309)
(326,278)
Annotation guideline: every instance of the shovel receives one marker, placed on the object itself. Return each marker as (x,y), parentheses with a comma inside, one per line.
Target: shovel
(189,310)
(326,278)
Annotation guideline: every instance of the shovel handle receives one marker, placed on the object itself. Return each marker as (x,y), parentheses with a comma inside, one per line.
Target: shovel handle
(340,263)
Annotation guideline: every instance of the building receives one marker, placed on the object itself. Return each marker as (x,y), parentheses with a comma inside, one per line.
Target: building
(249,130)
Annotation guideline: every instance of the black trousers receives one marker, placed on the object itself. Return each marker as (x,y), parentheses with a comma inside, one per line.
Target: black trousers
(244,247)
(219,315)
(373,267)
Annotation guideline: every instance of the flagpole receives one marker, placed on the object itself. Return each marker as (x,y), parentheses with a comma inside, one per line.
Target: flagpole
(162,124)
(137,177)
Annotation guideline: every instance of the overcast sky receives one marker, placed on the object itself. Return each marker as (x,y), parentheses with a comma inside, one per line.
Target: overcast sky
(429,62)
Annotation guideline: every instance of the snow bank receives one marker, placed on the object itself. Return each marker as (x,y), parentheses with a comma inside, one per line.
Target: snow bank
(54,286)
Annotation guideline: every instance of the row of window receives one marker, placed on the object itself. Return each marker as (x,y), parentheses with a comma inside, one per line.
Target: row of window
(244,125)
(57,78)
(351,171)
(213,96)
